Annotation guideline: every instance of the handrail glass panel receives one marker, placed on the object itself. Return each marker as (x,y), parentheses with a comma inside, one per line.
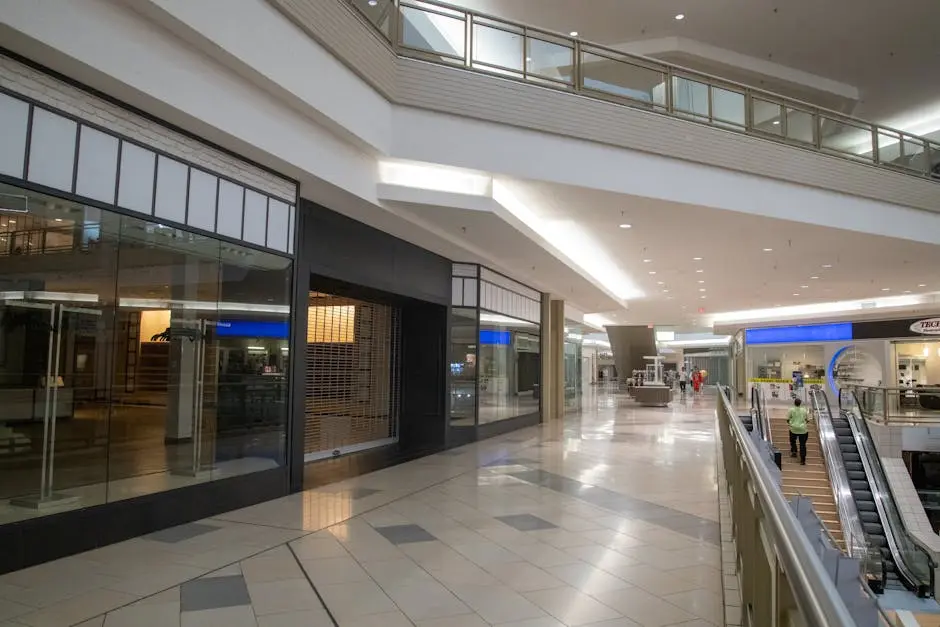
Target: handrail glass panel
(497,46)
(767,116)
(728,107)
(549,60)
(690,97)
(801,126)
(846,138)
(379,13)
(612,76)
(428,28)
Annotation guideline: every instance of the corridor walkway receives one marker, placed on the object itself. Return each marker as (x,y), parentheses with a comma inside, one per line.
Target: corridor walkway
(609,521)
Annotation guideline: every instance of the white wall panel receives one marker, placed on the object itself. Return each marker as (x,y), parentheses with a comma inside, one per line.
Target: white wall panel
(278,221)
(14,117)
(135,187)
(231,201)
(52,150)
(456,292)
(170,203)
(470,292)
(202,201)
(256,217)
(97,165)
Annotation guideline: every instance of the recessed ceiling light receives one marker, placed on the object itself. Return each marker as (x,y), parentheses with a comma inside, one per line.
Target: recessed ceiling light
(696,258)
(921,285)
(776,122)
(660,282)
(701,289)
(796,293)
(805,287)
(58,219)
(768,250)
(652,272)
(907,291)
(665,291)
(702,297)
(626,226)
(680,16)
(827,265)
(372,3)
(701,281)
(647,261)
(886,289)
(699,271)
(574,33)
(814,277)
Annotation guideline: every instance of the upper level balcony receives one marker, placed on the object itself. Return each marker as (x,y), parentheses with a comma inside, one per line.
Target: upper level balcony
(442,34)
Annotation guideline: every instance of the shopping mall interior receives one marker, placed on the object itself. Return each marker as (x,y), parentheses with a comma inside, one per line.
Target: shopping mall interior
(359,313)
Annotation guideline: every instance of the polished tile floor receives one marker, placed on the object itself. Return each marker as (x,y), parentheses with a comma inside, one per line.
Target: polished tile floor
(608,520)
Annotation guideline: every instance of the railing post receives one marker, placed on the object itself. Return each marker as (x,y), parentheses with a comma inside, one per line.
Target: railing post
(876,157)
(397,26)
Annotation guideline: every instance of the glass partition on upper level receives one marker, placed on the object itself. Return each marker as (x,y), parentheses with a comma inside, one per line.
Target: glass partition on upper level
(440,33)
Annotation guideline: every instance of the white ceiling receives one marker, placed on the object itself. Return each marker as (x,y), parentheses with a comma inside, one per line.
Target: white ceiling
(887,50)
(737,273)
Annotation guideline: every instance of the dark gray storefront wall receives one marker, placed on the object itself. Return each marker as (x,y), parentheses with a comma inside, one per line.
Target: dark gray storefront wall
(374,265)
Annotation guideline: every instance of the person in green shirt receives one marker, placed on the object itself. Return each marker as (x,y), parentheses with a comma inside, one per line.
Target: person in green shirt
(797,419)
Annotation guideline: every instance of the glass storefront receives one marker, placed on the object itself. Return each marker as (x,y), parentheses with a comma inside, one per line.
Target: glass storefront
(463,366)
(135,357)
(495,348)
(573,371)
(509,367)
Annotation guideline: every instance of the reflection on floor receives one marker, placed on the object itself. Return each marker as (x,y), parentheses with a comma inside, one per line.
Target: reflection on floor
(608,520)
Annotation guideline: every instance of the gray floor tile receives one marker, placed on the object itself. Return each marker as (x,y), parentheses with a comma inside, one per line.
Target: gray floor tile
(526,522)
(405,534)
(183,532)
(213,593)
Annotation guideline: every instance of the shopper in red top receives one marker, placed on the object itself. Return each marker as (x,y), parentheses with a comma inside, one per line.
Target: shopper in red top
(696,381)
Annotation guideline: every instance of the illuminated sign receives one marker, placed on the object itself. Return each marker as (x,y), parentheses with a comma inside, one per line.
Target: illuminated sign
(835,332)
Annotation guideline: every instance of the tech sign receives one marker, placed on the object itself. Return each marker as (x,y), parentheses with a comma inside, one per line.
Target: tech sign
(927,327)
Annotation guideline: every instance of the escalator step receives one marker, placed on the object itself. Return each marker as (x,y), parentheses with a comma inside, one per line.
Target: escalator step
(848,448)
(851,457)
(879,541)
(854,466)
(859,486)
(856,475)
(842,431)
(866,506)
(873,528)
(869,516)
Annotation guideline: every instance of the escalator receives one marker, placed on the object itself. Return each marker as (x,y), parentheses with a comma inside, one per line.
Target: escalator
(903,564)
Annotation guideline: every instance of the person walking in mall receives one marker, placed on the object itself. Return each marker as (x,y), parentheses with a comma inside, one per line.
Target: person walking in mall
(683,380)
(797,419)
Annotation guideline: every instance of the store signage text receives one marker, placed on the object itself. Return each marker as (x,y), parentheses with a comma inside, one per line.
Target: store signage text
(927,327)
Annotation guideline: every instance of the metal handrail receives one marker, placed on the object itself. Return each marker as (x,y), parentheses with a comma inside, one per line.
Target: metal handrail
(903,545)
(853,532)
(898,405)
(916,156)
(815,594)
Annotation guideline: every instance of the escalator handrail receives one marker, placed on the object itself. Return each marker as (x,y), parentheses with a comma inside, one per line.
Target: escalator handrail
(856,539)
(896,532)
(813,589)
(759,413)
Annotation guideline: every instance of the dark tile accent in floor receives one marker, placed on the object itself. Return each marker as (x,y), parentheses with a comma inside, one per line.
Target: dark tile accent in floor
(680,522)
(180,533)
(210,593)
(513,461)
(405,534)
(526,522)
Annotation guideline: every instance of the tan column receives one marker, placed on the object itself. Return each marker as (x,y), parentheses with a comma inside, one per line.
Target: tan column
(558,359)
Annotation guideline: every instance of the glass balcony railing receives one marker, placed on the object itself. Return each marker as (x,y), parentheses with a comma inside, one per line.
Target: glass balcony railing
(440,33)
